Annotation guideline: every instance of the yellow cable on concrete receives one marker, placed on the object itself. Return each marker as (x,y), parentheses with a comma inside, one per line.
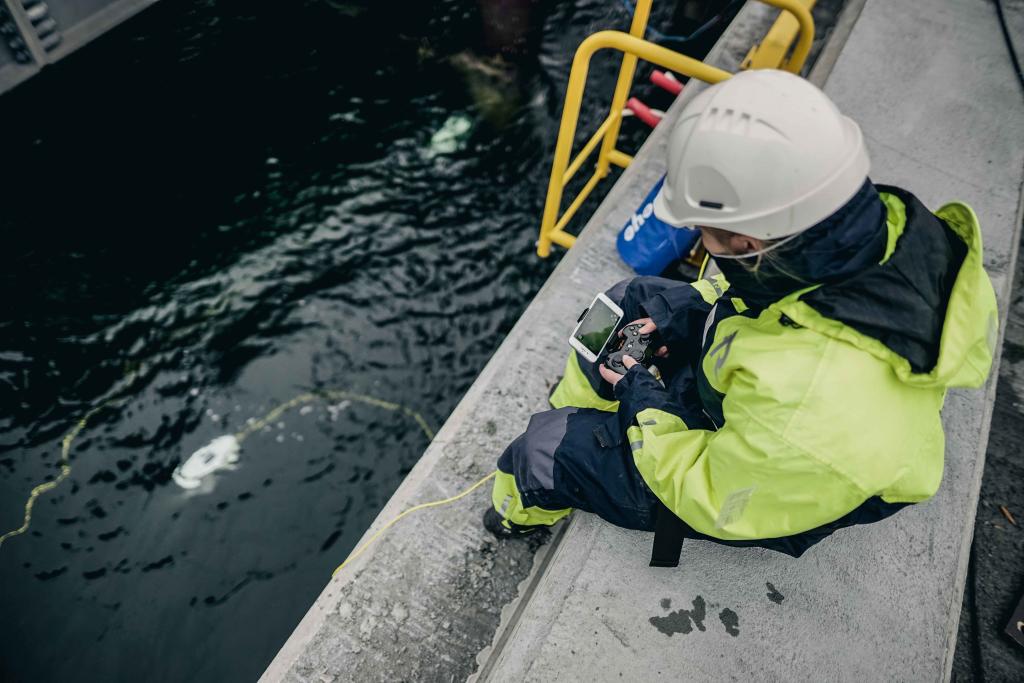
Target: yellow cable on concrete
(422,506)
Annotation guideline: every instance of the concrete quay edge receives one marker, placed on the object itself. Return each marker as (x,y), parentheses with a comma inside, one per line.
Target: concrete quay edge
(875,602)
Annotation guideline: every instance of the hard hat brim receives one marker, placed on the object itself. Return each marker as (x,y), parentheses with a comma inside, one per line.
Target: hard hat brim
(781,221)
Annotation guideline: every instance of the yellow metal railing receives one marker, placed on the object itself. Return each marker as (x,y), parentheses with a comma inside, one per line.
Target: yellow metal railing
(771,52)
(634,47)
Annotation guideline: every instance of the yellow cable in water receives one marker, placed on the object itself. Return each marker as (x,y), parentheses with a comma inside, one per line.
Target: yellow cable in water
(335,394)
(65,463)
(422,506)
(65,471)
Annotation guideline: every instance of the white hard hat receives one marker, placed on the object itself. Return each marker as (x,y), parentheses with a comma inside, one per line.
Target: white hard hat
(764,154)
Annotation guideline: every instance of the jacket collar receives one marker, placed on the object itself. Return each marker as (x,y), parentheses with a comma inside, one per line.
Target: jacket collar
(846,243)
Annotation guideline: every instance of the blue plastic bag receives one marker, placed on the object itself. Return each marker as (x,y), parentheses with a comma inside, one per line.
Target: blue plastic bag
(649,245)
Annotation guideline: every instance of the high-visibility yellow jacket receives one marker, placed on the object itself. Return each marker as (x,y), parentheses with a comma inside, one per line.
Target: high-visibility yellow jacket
(823,400)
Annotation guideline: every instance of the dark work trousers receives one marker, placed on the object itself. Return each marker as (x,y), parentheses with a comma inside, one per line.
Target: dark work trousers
(559,463)
(577,457)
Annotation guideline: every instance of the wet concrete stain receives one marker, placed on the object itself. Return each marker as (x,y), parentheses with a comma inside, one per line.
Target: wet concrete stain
(682,620)
(774,595)
(731,622)
(666,603)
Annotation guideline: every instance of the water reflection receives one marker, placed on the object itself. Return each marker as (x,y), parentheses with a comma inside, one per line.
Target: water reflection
(215,209)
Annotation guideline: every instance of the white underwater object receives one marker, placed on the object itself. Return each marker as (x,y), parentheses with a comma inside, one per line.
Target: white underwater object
(451,136)
(221,453)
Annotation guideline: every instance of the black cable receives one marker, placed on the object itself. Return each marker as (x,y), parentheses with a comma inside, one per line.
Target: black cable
(1009,42)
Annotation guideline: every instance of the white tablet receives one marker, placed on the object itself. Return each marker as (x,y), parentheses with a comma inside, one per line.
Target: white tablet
(595,327)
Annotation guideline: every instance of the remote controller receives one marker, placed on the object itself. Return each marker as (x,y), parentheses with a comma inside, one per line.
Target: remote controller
(631,343)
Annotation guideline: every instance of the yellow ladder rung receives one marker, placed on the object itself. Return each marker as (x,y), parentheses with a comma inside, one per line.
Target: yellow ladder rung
(563,239)
(580,198)
(587,149)
(620,158)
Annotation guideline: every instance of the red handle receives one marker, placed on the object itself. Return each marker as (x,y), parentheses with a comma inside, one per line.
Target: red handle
(666,81)
(642,111)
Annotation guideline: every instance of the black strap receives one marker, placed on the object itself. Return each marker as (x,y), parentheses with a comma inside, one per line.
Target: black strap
(669,532)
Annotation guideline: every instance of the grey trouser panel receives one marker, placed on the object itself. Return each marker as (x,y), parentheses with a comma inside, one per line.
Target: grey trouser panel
(559,462)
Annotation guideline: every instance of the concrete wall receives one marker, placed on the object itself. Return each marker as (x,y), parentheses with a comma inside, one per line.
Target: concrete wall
(931,85)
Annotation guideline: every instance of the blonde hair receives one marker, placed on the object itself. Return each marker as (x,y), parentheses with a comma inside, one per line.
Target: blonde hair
(769,256)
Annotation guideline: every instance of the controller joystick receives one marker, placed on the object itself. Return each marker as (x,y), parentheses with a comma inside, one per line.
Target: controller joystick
(631,343)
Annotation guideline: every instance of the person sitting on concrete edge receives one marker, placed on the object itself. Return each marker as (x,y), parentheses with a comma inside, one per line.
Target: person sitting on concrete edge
(803,385)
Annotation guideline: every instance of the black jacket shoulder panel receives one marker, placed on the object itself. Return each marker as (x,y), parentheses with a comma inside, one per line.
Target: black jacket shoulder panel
(902,302)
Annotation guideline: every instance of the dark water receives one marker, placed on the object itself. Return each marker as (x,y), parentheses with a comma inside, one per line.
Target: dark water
(219,206)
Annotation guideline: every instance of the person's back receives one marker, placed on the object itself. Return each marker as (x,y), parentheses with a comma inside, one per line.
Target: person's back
(804,388)
(818,379)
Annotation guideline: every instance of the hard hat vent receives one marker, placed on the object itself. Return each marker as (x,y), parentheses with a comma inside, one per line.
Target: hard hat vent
(725,121)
